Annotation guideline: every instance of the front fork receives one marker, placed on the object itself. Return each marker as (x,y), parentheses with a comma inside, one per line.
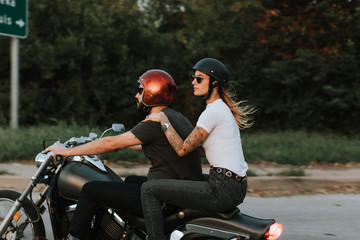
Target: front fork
(19,202)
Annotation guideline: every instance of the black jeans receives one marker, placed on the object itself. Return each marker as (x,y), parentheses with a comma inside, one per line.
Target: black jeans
(115,195)
(218,193)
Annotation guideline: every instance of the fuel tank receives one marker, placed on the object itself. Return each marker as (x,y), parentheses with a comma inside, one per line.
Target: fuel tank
(75,174)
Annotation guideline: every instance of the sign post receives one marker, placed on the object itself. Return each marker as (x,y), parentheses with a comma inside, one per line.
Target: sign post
(13,23)
(14,96)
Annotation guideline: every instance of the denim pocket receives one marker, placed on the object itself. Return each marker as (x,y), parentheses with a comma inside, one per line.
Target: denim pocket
(225,191)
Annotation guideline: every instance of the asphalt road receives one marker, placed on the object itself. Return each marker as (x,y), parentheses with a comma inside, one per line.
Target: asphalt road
(315,217)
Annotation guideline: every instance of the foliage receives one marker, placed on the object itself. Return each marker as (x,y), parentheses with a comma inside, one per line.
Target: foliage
(26,142)
(291,172)
(288,147)
(300,147)
(296,61)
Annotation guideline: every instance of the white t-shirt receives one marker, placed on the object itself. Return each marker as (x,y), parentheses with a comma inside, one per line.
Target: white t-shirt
(223,144)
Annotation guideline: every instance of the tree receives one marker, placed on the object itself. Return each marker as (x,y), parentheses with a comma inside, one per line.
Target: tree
(312,66)
(296,61)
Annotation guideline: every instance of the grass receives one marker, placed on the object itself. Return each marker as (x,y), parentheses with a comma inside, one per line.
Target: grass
(291,172)
(300,148)
(4,172)
(287,172)
(288,147)
(251,173)
(26,143)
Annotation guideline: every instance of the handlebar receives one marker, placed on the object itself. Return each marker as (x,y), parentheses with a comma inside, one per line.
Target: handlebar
(74,141)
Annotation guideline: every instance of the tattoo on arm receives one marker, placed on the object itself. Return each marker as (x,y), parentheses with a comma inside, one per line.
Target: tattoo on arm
(195,138)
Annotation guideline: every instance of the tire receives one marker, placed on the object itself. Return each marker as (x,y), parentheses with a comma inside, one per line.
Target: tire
(28,211)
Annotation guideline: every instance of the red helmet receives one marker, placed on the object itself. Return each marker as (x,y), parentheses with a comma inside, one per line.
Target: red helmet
(159,88)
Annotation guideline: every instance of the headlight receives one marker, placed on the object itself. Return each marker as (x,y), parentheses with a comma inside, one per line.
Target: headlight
(40,158)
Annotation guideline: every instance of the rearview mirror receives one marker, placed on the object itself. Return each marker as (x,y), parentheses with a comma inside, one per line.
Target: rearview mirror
(118,127)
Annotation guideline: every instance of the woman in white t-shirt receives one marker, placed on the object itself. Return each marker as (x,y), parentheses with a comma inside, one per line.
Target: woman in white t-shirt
(217,131)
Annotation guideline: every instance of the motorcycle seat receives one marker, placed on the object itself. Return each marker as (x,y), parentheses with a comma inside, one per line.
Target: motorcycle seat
(227,215)
(196,213)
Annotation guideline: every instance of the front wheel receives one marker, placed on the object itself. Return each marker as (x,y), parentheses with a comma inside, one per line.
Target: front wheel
(29,224)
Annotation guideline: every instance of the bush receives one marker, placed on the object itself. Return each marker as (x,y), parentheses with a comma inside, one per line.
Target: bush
(289,147)
(300,147)
(26,142)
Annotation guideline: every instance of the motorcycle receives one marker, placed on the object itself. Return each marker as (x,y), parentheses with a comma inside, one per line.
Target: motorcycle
(21,216)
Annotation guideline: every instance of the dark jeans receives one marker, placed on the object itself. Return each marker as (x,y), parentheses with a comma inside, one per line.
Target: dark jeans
(217,194)
(115,195)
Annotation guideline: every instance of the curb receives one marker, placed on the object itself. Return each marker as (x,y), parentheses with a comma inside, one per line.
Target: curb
(284,186)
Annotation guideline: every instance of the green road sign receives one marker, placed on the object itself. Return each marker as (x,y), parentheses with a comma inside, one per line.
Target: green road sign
(13,18)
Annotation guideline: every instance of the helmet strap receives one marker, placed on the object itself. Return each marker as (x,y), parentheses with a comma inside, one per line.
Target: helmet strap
(211,88)
(146,110)
(142,111)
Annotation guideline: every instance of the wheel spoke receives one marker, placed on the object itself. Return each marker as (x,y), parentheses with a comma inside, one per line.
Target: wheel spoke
(19,229)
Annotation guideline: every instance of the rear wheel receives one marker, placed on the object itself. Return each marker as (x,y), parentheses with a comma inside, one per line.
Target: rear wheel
(24,227)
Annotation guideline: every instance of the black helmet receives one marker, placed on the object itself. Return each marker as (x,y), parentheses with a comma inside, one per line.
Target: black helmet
(159,88)
(214,68)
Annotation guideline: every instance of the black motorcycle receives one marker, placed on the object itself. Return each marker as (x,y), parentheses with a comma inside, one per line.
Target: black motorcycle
(21,216)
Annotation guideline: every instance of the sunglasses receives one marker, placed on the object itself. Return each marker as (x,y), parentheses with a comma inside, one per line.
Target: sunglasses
(140,90)
(198,78)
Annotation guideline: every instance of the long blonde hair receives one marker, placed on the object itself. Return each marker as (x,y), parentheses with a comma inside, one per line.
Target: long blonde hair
(240,110)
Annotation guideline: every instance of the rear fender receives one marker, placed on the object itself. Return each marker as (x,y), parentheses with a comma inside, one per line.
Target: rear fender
(241,225)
